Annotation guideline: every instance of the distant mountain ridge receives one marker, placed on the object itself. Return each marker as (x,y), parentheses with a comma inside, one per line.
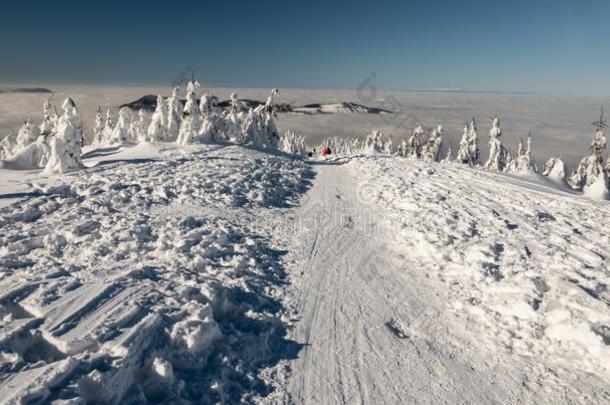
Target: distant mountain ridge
(27,90)
(149,103)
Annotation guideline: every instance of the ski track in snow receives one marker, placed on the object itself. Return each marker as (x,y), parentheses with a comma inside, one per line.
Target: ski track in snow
(153,281)
(418,282)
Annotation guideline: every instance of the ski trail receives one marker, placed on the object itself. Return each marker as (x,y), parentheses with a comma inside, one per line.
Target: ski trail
(374,324)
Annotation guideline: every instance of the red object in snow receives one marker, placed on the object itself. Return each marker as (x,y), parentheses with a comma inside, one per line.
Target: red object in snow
(326,151)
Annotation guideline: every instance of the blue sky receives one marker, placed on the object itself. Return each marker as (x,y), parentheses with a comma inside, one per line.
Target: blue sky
(539,46)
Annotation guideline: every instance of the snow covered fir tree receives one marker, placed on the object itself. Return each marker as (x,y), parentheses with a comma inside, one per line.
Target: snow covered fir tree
(498,155)
(590,167)
(66,142)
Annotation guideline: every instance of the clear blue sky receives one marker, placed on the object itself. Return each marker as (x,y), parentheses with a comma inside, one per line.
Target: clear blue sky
(538,45)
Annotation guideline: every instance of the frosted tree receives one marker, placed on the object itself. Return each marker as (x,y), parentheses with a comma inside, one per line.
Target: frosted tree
(249,132)
(449,155)
(191,122)
(235,103)
(98,129)
(598,188)
(555,170)
(48,121)
(433,145)
(473,142)
(211,123)
(375,143)
(206,105)
(137,129)
(293,144)
(414,142)
(237,126)
(27,134)
(174,113)
(270,134)
(66,144)
(271,103)
(389,147)
(498,155)
(463,155)
(588,169)
(108,127)
(8,145)
(402,149)
(120,133)
(523,162)
(157,129)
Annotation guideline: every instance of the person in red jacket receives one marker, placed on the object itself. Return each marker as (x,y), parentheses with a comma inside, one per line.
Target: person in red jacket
(326,151)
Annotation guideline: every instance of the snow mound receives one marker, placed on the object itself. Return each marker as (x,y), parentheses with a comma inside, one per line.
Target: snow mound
(146,282)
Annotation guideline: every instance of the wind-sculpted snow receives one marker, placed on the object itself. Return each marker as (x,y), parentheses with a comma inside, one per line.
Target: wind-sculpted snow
(147,282)
(525,264)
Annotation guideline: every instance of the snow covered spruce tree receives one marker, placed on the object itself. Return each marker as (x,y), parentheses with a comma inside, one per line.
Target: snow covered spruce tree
(449,155)
(523,162)
(414,142)
(191,122)
(270,135)
(121,134)
(598,189)
(157,130)
(98,129)
(7,145)
(66,142)
(555,170)
(137,129)
(27,134)
(402,149)
(587,171)
(463,155)
(433,145)
(258,129)
(473,142)
(388,148)
(211,122)
(498,155)
(468,153)
(375,143)
(293,144)
(174,114)
(236,126)
(49,120)
(108,127)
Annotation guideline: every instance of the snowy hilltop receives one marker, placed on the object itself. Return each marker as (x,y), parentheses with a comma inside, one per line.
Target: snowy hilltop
(198,255)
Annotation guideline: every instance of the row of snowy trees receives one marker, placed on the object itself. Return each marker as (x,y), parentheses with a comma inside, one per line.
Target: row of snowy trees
(591,175)
(56,143)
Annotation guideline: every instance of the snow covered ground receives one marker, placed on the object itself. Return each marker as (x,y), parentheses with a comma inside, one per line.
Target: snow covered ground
(435,283)
(219,273)
(147,279)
